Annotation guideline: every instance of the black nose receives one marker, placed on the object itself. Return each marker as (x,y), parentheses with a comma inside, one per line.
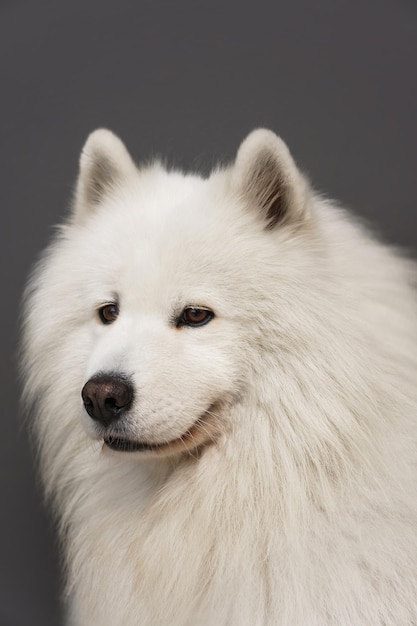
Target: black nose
(107,397)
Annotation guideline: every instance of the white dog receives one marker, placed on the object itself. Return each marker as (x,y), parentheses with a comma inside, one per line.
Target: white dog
(222,376)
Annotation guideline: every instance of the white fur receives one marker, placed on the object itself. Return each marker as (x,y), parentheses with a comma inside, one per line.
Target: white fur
(300,509)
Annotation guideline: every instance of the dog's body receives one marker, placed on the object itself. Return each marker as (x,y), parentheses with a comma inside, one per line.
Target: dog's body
(248,354)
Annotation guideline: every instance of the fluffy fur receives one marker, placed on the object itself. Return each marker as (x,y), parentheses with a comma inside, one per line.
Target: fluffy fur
(285,493)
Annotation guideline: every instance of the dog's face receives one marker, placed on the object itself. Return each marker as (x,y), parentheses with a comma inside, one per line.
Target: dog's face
(151,291)
(163,348)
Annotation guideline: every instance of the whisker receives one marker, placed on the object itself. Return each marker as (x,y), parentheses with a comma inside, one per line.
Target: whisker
(190,452)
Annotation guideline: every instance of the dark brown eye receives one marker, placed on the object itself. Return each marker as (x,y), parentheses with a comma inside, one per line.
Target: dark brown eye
(108,313)
(193,316)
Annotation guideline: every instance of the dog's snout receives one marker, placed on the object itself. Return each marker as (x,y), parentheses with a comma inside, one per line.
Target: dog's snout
(107,397)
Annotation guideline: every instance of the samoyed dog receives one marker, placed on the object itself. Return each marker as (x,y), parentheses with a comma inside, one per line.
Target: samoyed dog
(221,374)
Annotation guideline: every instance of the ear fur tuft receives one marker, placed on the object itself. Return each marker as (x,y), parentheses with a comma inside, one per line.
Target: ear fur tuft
(267,177)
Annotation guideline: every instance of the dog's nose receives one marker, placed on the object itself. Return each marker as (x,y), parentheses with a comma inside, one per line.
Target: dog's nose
(107,397)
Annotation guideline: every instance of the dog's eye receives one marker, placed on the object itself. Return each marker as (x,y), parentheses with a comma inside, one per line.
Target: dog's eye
(108,313)
(193,316)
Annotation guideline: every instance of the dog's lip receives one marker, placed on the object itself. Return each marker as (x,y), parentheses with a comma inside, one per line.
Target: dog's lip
(200,433)
(119,444)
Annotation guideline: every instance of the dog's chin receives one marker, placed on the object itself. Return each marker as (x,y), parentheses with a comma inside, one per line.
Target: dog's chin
(204,432)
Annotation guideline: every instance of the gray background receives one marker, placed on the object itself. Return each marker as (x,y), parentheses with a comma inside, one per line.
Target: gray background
(184,79)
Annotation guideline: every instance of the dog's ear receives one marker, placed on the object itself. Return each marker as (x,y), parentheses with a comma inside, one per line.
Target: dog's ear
(267,178)
(105,164)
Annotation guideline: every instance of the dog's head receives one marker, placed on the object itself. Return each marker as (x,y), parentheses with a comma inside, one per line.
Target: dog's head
(159,297)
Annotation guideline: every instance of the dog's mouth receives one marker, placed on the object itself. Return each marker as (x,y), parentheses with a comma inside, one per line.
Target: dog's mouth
(126,445)
(204,431)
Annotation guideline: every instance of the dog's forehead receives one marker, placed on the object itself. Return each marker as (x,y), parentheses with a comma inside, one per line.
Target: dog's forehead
(162,215)
(161,203)
(166,226)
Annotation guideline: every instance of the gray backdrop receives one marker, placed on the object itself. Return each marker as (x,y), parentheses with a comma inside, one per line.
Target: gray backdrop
(185,79)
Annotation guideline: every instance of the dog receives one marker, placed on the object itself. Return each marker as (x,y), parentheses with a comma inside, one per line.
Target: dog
(220,375)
